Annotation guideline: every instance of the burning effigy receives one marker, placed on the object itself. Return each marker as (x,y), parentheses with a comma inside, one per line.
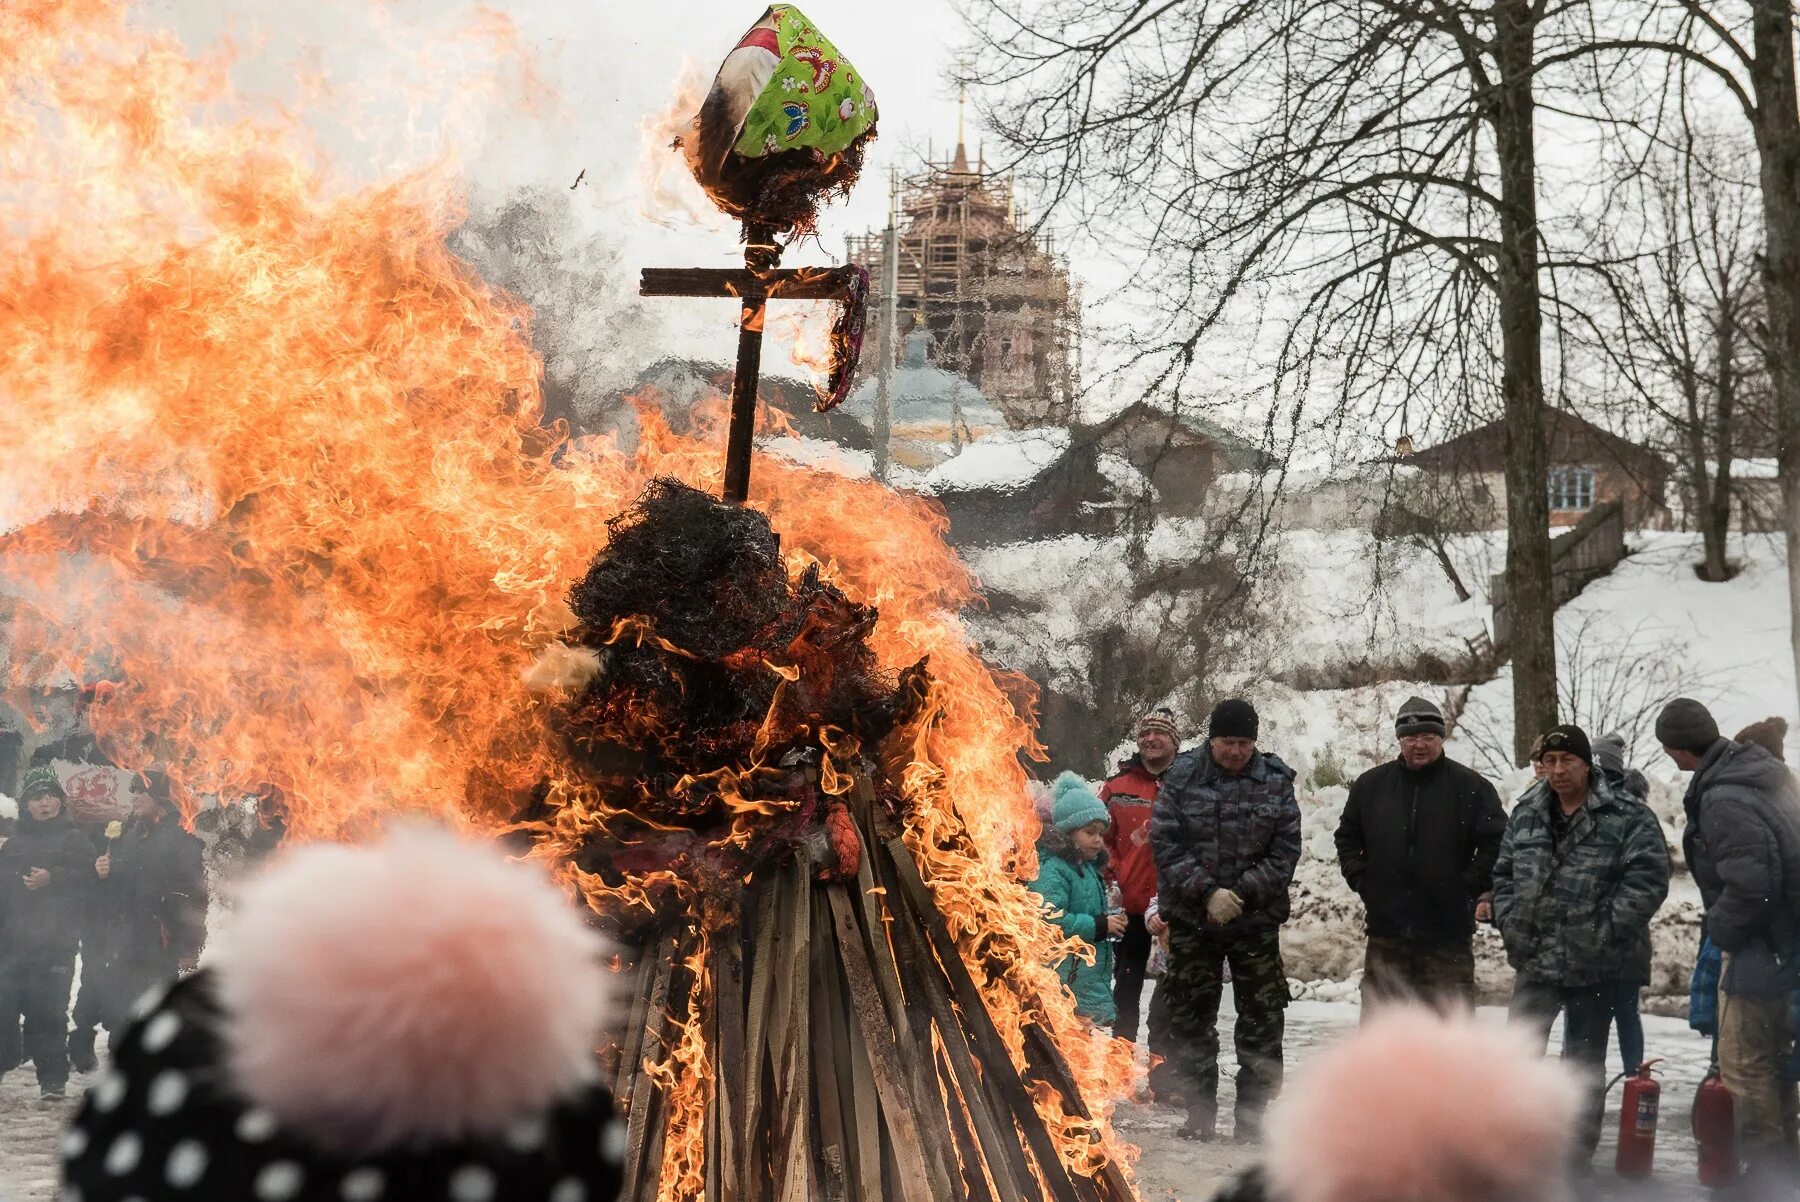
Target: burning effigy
(291,505)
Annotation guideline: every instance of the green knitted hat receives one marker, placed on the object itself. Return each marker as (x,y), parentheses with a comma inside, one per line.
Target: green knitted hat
(1076,805)
(41,779)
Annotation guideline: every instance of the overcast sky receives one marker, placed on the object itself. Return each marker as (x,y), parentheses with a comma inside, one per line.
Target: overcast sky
(398,70)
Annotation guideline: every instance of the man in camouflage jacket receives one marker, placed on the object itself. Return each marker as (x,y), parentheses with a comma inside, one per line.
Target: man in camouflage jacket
(1582,870)
(1225,831)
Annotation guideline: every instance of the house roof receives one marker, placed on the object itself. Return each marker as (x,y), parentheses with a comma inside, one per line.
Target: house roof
(1185,427)
(1571,439)
(1001,462)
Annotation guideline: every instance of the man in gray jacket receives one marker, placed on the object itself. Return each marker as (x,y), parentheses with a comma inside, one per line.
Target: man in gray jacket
(1743,845)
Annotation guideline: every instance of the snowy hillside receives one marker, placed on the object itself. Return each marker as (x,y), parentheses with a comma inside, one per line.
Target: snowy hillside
(1341,609)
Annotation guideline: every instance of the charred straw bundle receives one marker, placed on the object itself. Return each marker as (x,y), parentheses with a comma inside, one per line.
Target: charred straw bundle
(803,1025)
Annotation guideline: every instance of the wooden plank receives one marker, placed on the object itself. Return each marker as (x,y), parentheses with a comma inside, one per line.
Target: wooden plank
(792,284)
(791,1016)
(729,1086)
(631,1039)
(1006,1157)
(914,1046)
(865,1116)
(834,1148)
(920,1179)
(980,1026)
(638,1125)
(970,1163)
(1111,1180)
(752,1143)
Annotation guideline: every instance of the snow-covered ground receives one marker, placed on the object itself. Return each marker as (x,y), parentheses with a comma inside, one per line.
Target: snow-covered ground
(30,1131)
(1169,1169)
(1174,1170)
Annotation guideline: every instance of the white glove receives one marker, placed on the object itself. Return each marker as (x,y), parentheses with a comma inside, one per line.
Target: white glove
(1223,906)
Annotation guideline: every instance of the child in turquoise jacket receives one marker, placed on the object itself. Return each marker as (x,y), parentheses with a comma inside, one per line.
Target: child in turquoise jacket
(1071,857)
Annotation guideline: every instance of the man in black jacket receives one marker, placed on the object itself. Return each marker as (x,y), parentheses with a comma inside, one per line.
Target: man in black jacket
(1417,842)
(46,871)
(1743,845)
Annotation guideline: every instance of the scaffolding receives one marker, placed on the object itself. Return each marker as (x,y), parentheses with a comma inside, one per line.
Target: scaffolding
(995,299)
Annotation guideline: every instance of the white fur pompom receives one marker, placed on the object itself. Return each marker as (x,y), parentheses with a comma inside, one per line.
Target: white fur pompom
(418,990)
(561,668)
(1417,1107)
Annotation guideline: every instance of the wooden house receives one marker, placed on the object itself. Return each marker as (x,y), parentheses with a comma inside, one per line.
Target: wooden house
(1586,467)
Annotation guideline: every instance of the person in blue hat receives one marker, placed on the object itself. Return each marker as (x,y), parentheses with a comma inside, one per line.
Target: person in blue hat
(1071,880)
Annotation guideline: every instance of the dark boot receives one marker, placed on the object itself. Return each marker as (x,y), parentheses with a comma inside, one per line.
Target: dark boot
(81,1050)
(1202,1118)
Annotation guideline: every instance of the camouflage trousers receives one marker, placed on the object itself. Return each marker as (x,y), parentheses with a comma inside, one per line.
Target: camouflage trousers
(1397,970)
(1195,984)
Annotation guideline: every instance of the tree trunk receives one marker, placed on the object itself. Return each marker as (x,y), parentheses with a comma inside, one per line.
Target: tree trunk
(1510,109)
(1715,518)
(1778,146)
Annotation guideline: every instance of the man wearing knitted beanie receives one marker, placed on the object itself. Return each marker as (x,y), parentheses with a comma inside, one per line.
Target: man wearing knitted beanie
(1225,831)
(1743,844)
(1582,870)
(1128,795)
(1417,842)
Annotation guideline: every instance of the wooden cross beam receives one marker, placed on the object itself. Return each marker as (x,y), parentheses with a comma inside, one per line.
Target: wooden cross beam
(759,281)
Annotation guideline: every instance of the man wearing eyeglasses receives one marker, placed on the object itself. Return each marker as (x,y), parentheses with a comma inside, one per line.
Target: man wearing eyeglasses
(1417,842)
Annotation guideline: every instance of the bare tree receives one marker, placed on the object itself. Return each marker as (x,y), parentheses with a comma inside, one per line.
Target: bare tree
(1676,330)
(1371,165)
(1746,50)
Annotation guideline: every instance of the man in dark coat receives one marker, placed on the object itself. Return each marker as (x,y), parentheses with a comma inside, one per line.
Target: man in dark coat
(1580,869)
(1226,834)
(150,911)
(1743,845)
(46,872)
(1417,842)
(1128,795)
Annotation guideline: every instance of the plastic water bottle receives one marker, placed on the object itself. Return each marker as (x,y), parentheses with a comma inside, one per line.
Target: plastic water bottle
(1115,904)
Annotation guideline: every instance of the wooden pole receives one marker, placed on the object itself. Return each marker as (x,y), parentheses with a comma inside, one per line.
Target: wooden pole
(761,255)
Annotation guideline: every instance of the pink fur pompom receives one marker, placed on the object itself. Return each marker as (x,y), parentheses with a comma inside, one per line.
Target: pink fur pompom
(1417,1107)
(417,990)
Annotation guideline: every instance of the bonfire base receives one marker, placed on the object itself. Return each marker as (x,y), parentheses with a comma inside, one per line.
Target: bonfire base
(852,1055)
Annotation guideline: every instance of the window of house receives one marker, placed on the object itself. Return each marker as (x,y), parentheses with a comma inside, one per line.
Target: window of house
(1571,488)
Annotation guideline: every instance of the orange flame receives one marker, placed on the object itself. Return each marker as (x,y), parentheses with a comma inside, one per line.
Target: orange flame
(277,470)
(806,333)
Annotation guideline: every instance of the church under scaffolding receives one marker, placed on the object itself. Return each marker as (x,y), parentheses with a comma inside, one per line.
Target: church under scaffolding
(994,298)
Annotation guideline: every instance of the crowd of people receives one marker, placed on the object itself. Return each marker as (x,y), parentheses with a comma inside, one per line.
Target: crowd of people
(1191,856)
(128,903)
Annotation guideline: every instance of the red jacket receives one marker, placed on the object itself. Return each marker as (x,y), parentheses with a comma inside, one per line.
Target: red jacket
(1128,797)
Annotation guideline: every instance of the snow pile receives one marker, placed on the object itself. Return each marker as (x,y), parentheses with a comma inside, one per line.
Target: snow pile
(1007,460)
(820,453)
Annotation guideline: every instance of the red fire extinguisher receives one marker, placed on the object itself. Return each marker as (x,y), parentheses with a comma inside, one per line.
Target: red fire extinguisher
(1638,1110)
(1715,1132)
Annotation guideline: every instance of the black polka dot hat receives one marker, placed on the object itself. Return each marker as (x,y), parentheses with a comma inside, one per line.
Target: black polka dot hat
(389,1085)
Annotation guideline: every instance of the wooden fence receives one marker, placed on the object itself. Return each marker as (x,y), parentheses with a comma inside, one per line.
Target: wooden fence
(1583,553)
